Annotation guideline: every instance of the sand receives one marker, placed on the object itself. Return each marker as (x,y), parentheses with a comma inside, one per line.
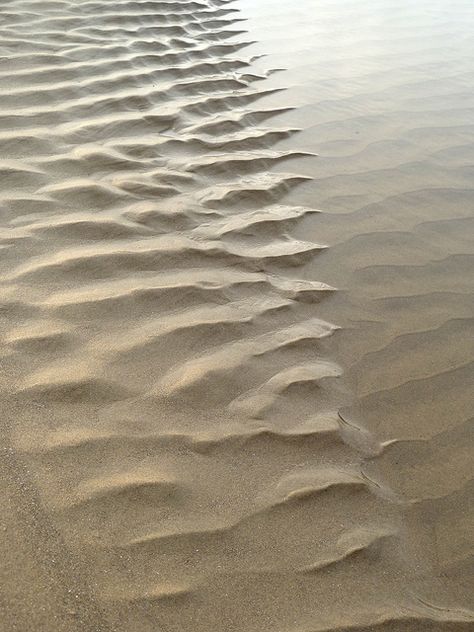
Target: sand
(236,316)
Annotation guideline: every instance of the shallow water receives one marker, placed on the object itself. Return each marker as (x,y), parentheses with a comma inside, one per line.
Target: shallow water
(224,410)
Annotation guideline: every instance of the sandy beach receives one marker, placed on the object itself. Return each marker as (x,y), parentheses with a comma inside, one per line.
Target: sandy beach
(236,313)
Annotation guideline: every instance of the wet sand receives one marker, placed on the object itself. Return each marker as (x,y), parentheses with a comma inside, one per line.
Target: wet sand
(236,313)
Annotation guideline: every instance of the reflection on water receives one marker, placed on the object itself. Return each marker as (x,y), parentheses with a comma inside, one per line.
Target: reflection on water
(385,90)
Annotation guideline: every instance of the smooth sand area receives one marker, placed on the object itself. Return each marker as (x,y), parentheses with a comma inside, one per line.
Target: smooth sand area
(236,313)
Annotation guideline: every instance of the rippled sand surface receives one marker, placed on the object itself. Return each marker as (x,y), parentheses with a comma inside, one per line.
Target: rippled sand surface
(236,309)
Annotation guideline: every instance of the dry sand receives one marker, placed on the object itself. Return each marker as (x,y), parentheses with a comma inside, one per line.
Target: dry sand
(200,433)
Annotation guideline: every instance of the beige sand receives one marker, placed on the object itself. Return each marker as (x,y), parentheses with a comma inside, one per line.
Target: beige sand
(200,433)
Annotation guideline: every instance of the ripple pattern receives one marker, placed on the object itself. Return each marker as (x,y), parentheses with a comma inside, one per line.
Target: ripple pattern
(172,401)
